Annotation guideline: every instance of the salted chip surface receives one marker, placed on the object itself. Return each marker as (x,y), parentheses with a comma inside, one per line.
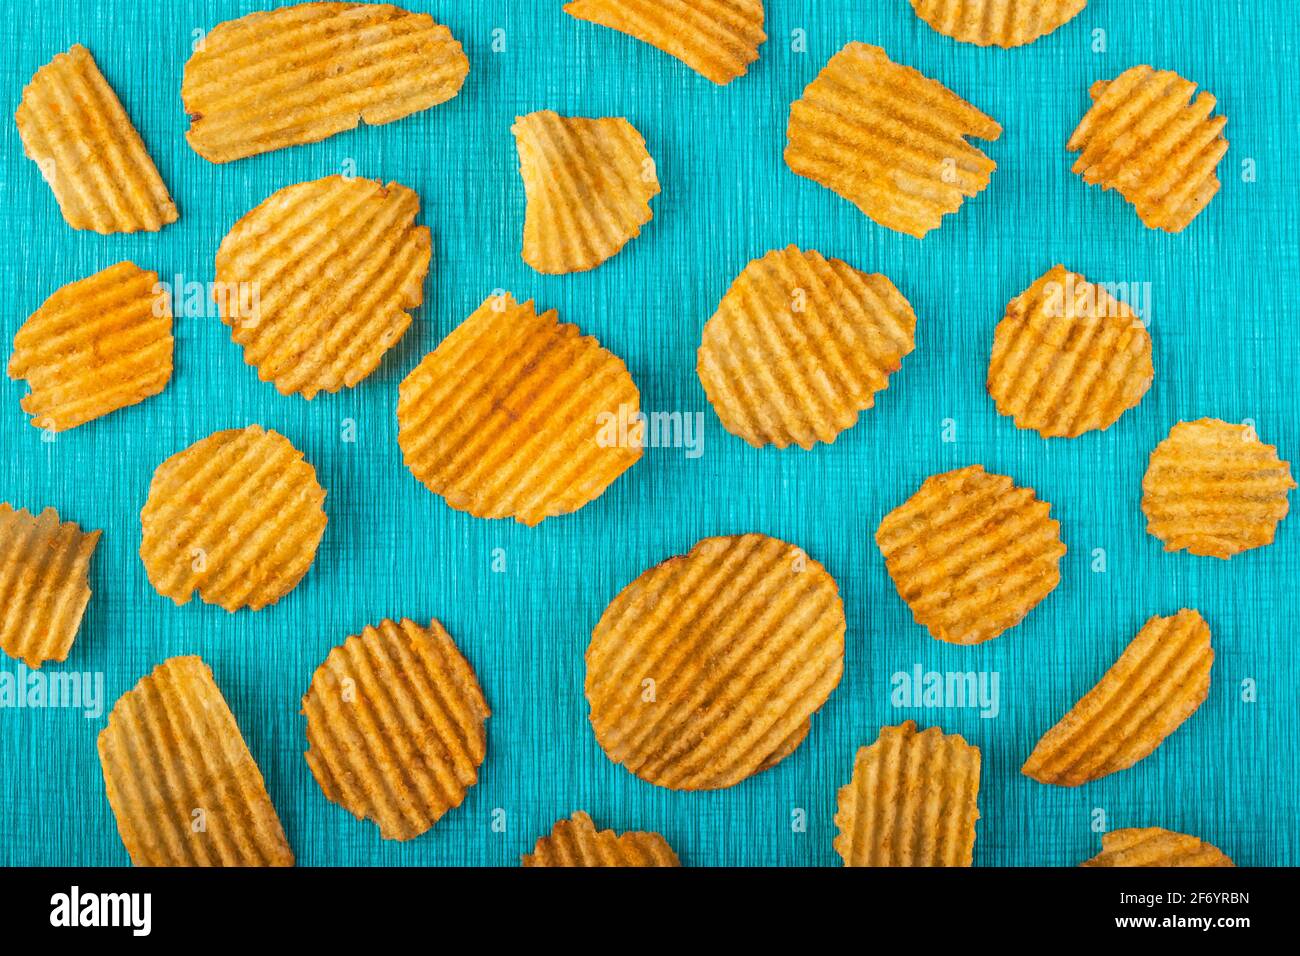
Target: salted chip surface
(236,516)
(577,842)
(181,782)
(1157,683)
(1004,23)
(889,139)
(518,415)
(705,669)
(319,281)
(800,345)
(1215,489)
(396,723)
(913,801)
(971,553)
(44,583)
(716,38)
(1153,846)
(588,185)
(1068,358)
(75,129)
(301,73)
(1147,138)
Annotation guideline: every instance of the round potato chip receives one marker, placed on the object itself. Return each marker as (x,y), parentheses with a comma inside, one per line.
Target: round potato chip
(1004,23)
(576,842)
(1152,846)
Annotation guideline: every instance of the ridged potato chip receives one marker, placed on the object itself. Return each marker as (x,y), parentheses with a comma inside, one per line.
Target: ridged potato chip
(44,583)
(1004,23)
(799,346)
(1215,489)
(181,782)
(705,669)
(588,185)
(236,516)
(1068,357)
(889,139)
(1159,681)
(971,553)
(913,801)
(301,73)
(515,415)
(576,842)
(1144,137)
(319,281)
(1152,846)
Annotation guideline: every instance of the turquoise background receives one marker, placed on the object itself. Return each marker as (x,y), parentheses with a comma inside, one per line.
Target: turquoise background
(1223,322)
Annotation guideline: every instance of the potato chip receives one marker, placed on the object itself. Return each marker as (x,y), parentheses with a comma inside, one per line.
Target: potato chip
(181,782)
(1068,358)
(73,126)
(716,38)
(319,281)
(800,345)
(1215,489)
(913,801)
(889,139)
(302,73)
(94,346)
(517,415)
(1144,137)
(396,724)
(1152,846)
(236,516)
(44,583)
(705,669)
(971,553)
(588,185)
(576,842)
(1157,683)
(1004,23)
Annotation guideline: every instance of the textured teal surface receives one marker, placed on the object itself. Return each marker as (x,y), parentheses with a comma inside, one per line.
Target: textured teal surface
(1223,322)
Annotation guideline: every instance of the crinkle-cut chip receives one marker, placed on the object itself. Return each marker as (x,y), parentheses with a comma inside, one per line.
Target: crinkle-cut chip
(44,583)
(1004,23)
(1157,683)
(588,185)
(913,801)
(236,516)
(1068,357)
(94,346)
(1215,489)
(319,281)
(517,415)
(1145,137)
(73,126)
(800,345)
(971,553)
(716,38)
(577,842)
(889,139)
(302,73)
(705,669)
(181,782)
(1153,846)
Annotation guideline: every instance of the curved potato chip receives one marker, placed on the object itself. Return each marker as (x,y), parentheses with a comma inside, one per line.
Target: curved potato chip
(576,842)
(800,345)
(1004,23)
(1152,846)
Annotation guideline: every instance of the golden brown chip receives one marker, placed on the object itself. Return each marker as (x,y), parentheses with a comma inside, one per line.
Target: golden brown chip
(1068,358)
(588,185)
(44,583)
(800,345)
(576,842)
(889,139)
(396,724)
(1215,489)
(706,668)
(236,516)
(517,415)
(1157,683)
(716,38)
(318,281)
(971,553)
(1152,846)
(301,73)
(1145,138)
(1004,23)
(181,782)
(73,125)
(913,801)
